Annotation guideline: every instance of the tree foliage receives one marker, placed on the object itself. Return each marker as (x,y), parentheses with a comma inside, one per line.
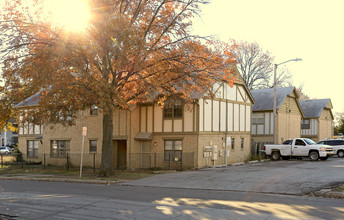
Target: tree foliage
(302,95)
(130,52)
(256,66)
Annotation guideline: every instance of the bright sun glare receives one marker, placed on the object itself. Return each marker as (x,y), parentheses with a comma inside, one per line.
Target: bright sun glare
(72,15)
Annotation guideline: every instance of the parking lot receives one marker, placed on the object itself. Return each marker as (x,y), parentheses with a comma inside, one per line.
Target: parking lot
(293,177)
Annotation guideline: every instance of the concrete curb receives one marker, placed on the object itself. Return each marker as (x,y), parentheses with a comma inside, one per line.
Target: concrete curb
(328,193)
(104,182)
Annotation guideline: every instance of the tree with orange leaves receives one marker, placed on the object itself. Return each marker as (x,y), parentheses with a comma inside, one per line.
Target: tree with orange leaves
(129,51)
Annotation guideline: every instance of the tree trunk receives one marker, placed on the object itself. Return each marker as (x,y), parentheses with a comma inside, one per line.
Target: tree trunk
(107,152)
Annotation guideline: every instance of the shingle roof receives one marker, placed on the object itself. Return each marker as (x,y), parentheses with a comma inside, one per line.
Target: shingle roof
(31,101)
(265,98)
(313,108)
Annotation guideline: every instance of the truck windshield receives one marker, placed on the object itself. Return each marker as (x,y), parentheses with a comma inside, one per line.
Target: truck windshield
(309,141)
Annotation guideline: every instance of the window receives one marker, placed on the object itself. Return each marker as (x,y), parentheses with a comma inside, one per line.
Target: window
(288,142)
(305,124)
(258,123)
(173,109)
(242,143)
(32,148)
(58,148)
(173,148)
(93,145)
(300,142)
(232,144)
(94,110)
(258,118)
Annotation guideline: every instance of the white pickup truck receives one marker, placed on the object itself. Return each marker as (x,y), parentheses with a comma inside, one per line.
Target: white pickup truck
(299,147)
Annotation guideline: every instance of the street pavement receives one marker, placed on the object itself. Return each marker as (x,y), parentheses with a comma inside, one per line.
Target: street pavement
(293,177)
(264,190)
(58,200)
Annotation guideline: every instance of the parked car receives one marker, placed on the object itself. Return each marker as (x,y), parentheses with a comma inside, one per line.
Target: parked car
(337,144)
(5,150)
(300,147)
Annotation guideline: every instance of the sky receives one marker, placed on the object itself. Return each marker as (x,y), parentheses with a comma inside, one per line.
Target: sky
(312,30)
(308,29)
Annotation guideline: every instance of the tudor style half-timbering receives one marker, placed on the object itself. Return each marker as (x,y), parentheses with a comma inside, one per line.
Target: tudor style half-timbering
(318,121)
(198,129)
(289,115)
(225,124)
(209,130)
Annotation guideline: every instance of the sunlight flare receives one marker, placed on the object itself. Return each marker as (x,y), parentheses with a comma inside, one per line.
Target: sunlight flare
(72,15)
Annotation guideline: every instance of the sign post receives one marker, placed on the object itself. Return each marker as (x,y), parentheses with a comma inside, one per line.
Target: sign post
(84,133)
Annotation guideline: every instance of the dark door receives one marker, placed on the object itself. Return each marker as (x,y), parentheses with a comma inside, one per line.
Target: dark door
(122,154)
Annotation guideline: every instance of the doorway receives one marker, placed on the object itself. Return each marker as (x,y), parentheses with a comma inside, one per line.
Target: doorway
(121,156)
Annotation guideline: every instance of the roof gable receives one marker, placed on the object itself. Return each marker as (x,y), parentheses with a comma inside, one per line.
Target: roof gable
(30,101)
(239,81)
(313,108)
(265,97)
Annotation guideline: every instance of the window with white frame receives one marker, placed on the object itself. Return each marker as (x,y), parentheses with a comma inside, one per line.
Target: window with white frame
(173,150)
(32,148)
(258,123)
(305,124)
(59,148)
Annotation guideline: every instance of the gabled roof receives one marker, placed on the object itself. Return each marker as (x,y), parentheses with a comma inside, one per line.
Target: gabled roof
(265,98)
(34,99)
(314,108)
(31,101)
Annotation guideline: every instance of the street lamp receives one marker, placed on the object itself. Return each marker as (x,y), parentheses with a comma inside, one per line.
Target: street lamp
(275,96)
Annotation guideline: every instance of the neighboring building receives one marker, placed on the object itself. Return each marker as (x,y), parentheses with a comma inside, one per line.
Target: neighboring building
(148,135)
(289,115)
(8,137)
(318,121)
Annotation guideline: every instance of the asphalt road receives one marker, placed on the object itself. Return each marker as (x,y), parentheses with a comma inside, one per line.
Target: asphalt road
(292,177)
(58,200)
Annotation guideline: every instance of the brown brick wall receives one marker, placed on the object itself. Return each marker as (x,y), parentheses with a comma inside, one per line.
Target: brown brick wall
(235,155)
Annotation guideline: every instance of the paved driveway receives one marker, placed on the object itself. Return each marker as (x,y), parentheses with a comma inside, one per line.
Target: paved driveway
(283,177)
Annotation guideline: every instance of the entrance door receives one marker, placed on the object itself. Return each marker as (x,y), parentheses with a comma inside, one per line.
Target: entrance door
(122,154)
(146,154)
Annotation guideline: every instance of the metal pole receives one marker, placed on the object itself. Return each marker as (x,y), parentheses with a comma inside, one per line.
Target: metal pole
(169,161)
(181,161)
(67,161)
(82,154)
(44,161)
(275,96)
(275,105)
(155,161)
(94,163)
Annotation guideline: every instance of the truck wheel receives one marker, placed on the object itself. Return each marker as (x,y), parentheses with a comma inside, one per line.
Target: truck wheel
(314,156)
(340,153)
(275,155)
